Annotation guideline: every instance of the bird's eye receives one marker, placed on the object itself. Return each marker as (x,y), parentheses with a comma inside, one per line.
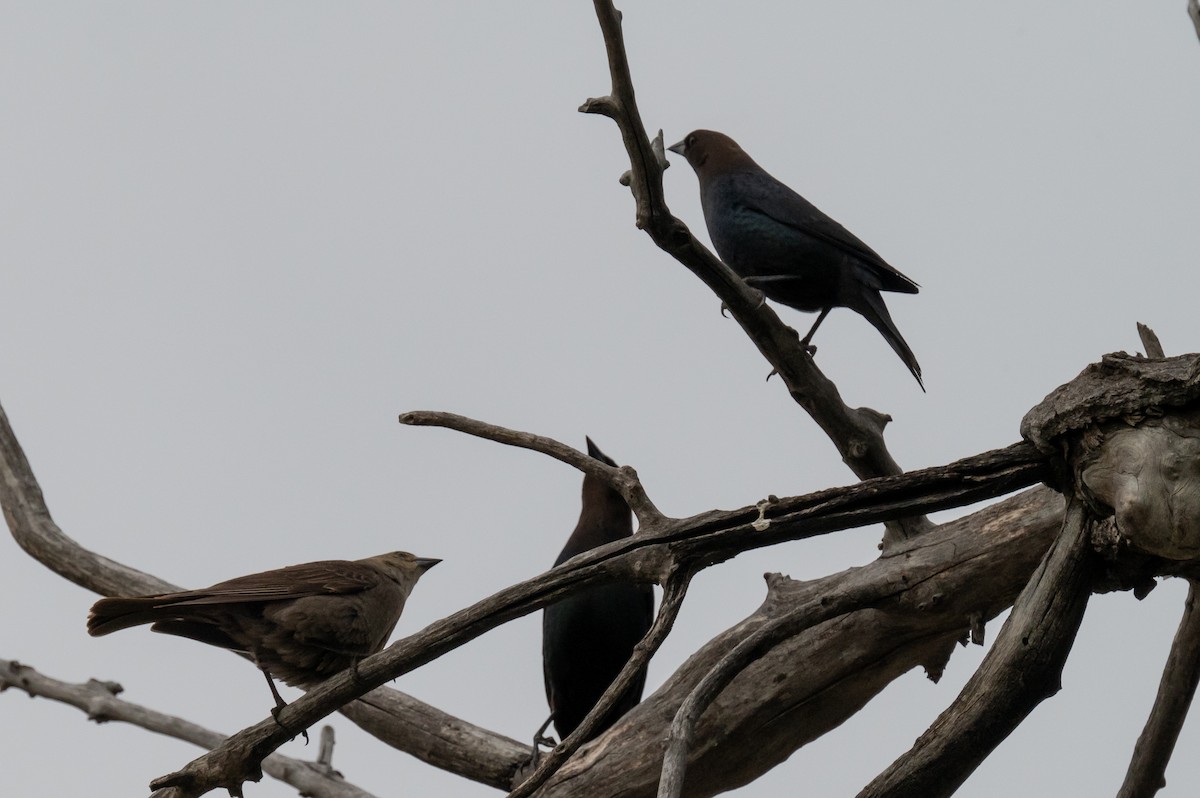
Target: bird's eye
(691,140)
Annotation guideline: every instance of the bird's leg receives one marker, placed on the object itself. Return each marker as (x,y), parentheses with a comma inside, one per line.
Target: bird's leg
(279,702)
(354,670)
(812,350)
(540,739)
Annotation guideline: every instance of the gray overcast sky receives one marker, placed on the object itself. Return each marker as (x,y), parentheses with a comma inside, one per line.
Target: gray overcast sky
(240,238)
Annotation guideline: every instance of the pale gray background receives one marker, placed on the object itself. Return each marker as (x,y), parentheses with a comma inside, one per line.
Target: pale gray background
(240,238)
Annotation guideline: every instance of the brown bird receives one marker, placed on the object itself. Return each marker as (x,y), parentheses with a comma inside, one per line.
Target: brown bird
(301,624)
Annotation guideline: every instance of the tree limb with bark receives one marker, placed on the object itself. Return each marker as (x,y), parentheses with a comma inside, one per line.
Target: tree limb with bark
(1116,442)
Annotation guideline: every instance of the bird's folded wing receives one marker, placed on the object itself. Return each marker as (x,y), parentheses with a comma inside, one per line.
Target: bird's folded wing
(329,577)
(787,208)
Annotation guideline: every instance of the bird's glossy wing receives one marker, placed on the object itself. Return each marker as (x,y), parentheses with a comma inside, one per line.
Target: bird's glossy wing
(327,577)
(763,194)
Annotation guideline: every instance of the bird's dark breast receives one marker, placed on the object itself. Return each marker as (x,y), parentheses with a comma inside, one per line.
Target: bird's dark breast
(797,270)
(587,639)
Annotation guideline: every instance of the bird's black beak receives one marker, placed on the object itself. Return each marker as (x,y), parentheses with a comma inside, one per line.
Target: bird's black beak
(425,563)
(679,148)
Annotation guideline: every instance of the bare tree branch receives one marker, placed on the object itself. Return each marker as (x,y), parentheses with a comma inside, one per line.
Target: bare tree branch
(1023,668)
(1193,9)
(668,611)
(965,571)
(99,700)
(699,541)
(709,537)
(1147,769)
(857,434)
(623,480)
(816,610)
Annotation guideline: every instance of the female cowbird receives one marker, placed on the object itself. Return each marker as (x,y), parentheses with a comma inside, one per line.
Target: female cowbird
(588,637)
(301,624)
(781,244)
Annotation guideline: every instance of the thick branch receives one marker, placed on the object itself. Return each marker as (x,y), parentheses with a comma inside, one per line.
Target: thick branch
(1023,668)
(857,434)
(99,700)
(752,648)
(965,570)
(438,738)
(704,540)
(691,542)
(1147,769)
(36,533)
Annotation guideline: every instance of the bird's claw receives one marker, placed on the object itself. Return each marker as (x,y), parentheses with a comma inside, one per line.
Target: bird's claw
(275,710)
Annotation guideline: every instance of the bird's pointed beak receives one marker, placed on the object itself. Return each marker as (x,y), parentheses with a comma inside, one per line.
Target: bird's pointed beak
(425,563)
(679,148)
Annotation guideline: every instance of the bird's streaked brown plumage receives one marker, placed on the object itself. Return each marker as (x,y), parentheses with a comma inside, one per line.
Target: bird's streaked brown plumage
(301,624)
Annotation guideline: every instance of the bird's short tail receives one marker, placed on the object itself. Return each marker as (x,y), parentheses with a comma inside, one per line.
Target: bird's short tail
(874,311)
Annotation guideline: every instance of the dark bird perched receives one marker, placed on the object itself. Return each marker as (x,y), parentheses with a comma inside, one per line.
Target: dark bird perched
(588,637)
(301,624)
(781,244)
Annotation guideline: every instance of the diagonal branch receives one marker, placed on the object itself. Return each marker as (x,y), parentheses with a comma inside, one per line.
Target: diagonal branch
(701,540)
(623,480)
(1023,668)
(99,700)
(1147,769)
(857,433)
(698,542)
(817,610)
(668,611)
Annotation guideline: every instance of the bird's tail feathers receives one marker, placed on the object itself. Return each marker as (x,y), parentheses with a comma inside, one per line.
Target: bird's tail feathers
(121,612)
(874,311)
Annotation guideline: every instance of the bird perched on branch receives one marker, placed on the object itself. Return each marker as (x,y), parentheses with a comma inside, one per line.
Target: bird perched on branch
(301,624)
(588,637)
(781,244)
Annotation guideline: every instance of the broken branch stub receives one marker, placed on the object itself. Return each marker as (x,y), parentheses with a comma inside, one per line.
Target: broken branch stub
(1125,438)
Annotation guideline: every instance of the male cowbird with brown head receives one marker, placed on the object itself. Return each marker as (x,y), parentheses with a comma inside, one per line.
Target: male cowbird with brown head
(781,244)
(588,637)
(301,624)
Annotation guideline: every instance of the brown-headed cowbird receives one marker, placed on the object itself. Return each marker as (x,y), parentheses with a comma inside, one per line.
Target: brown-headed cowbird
(588,637)
(301,624)
(781,244)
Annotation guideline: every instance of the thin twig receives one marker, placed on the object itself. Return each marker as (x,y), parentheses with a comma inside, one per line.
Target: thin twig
(624,479)
(99,700)
(668,611)
(1147,769)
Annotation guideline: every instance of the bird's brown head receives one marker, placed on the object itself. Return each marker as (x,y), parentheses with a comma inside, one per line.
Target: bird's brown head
(708,151)
(403,567)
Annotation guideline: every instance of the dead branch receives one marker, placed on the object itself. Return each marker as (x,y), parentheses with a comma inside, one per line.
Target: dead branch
(970,568)
(695,542)
(1147,769)
(1023,668)
(623,480)
(668,611)
(99,701)
(857,434)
